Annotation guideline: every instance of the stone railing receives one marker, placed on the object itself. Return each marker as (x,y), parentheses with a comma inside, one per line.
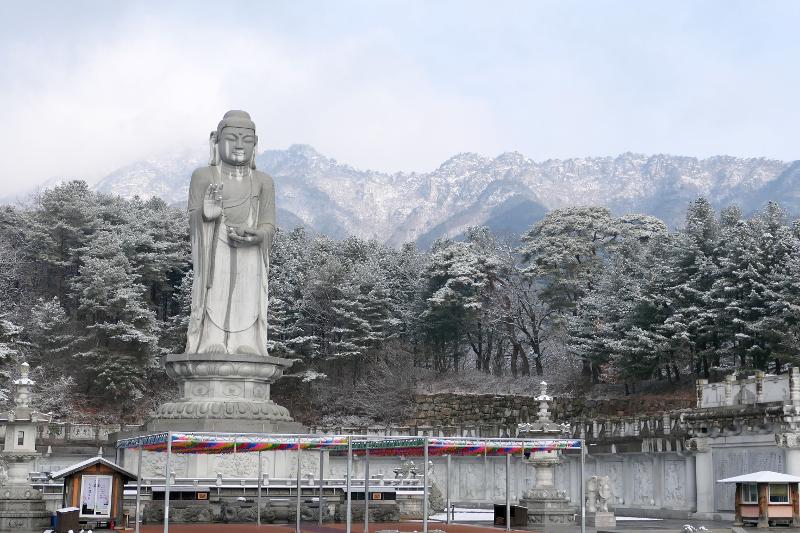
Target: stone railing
(618,427)
(67,432)
(307,480)
(757,389)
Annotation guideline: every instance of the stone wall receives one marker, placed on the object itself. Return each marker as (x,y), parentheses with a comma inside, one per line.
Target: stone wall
(506,410)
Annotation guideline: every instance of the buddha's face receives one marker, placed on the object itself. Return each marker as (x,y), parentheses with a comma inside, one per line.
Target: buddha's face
(236,145)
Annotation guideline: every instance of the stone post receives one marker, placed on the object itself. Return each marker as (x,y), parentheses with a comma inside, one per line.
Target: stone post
(704,475)
(699,384)
(729,380)
(790,442)
(691,481)
(759,386)
(666,423)
(794,386)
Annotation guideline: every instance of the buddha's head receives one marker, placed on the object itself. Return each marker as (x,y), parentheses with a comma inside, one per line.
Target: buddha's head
(235,140)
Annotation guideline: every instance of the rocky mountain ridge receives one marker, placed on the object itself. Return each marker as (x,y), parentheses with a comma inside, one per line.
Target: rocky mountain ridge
(508,193)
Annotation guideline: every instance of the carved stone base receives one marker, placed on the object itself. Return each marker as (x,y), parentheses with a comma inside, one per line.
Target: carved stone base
(224,387)
(23,515)
(601,519)
(548,506)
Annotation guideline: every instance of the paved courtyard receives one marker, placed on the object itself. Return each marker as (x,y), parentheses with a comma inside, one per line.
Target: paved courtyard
(626,526)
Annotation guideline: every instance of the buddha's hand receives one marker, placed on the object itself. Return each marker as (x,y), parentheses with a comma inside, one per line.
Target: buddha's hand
(245,236)
(250,237)
(212,203)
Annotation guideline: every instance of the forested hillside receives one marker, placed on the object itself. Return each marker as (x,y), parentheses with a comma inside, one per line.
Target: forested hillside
(95,290)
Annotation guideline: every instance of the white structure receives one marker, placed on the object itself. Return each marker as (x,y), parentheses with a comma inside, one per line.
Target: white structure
(21,506)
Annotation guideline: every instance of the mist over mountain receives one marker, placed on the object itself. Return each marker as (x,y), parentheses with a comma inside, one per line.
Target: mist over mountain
(507,193)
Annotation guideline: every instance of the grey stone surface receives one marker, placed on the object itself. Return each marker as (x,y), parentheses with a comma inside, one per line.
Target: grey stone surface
(602,520)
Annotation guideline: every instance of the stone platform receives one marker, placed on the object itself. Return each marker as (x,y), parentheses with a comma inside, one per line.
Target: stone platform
(216,386)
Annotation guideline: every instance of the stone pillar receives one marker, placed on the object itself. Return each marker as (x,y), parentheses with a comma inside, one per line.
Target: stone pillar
(699,384)
(759,386)
(794,386)
(729,380)
(790,442)
(704,475)
(691,483)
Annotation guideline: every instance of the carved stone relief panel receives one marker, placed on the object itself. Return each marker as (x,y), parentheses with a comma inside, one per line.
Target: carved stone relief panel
(470,480)
(730,462)
(497,469)
(309,463)
(675,483)
(614,470)
(236,465)
(641,470)
(153,464)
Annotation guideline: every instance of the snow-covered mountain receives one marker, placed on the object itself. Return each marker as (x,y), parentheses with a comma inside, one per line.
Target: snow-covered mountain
(507,193)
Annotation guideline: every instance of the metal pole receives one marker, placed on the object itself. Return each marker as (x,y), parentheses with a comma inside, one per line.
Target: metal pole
(508,491)
(321,479)
(258,493)
(425,487)
(349,475)
(138,488)
(485,471)
(366,489)
(447,488)
(297,518)
(583,487)
(167,482)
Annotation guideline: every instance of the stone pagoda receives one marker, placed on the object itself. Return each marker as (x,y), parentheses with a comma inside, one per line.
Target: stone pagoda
(546,504)
(22,508)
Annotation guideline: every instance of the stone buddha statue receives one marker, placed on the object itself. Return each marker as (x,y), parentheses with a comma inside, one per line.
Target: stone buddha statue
(231,223)
(225,373)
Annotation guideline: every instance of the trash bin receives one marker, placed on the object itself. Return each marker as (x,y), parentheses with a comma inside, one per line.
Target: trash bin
(519,515)
(66,519)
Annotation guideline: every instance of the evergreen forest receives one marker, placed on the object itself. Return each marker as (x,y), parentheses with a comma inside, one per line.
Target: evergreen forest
(95,291)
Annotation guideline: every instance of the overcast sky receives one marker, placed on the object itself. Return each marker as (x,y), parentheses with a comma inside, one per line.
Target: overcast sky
(86,87)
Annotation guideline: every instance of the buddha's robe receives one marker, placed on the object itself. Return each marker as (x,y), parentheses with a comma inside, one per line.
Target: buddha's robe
(229,293)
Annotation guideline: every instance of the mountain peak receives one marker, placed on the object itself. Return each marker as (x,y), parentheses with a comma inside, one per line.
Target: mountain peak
(510,191)
(303,150)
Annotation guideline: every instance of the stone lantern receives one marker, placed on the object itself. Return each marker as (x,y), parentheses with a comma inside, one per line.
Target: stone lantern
(546,504)
(21,506)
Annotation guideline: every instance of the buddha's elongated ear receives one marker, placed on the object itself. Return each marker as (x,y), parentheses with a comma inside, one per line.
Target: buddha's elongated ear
(213,149)
(253,157)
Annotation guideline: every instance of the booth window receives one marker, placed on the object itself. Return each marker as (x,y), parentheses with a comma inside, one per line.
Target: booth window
(96,496)
(749,493)
(778,493)
(20,438)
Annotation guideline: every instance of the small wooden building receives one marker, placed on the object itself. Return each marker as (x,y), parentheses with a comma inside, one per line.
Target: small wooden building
(96,486)
(766,498)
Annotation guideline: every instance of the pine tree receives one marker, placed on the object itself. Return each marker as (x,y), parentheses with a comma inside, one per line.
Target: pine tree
(121,333)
